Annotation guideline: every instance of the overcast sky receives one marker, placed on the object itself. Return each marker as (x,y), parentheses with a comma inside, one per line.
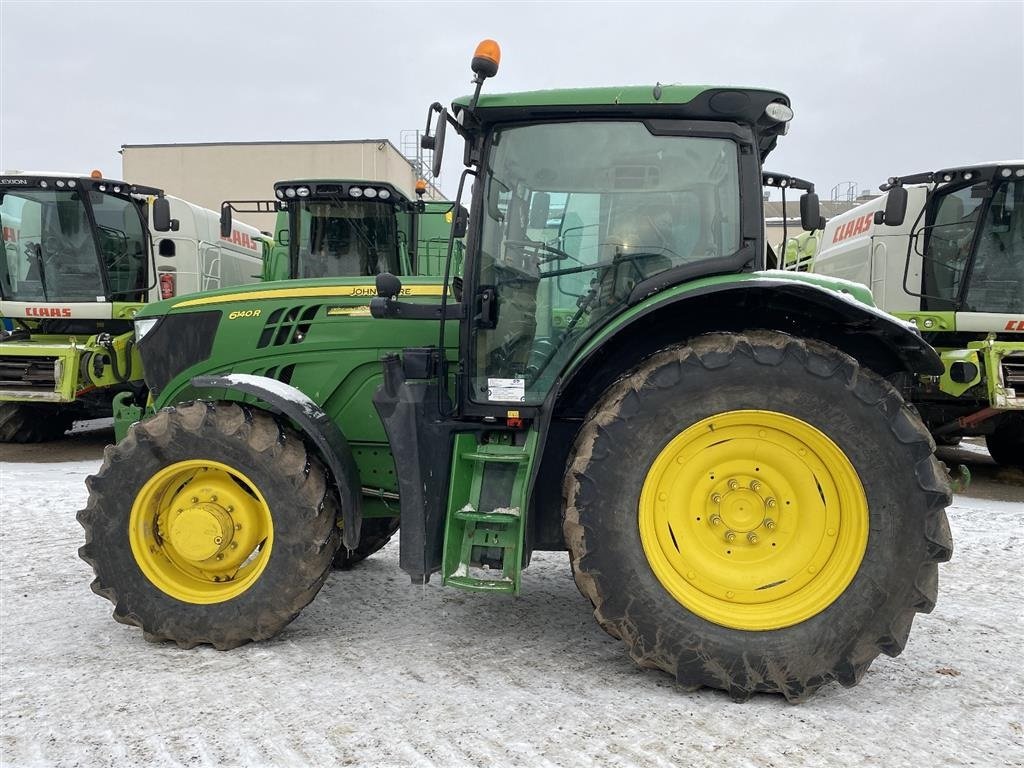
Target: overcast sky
(878,88)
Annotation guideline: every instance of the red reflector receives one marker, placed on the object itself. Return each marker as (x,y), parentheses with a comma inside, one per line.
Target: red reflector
(167,285)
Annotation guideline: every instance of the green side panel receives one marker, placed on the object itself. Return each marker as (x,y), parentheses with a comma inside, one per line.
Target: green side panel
(434,227)
(969,359)
(125,414)
(487,507)
(317,336)
(996,359)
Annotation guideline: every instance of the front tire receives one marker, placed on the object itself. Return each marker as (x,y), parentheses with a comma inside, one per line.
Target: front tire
(816,467)
(1006,443)
(209,523)
(28,423)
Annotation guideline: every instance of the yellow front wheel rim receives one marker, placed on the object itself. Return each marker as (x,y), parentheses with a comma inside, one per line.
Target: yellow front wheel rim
(201,531)
(753,520)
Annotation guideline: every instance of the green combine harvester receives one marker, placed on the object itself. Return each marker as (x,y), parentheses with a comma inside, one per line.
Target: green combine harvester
(746,500)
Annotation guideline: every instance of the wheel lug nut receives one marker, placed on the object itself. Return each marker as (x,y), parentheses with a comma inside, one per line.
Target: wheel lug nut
(755,486)
(752,537)
(213,497)
(234,545)
(769,524)
(716,498)
(238,526)
(220,556)
(229,509)
(218,540)
(195,499)
(770,503)
(716,520)
(733,485)
(729,536)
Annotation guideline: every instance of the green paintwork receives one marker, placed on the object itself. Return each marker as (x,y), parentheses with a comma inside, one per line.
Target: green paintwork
(74,370)
(951,356)
(470,528)
(988,356)
(858,292)
(336,362)
(992,354)
(800,250)
(604,96)
(930,321)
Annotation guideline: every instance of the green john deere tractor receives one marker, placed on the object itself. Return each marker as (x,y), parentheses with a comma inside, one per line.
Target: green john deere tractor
(746,500)
(325,228)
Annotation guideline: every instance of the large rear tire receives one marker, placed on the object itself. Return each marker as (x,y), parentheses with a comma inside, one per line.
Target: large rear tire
(1006,443)
(756,513)
(209,523)
(29,423)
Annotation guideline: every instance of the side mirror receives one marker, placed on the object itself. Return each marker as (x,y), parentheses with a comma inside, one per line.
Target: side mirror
(225,221)
(461,223)
(162,215)
(810,211)
(895,207)
(439,132)
(388,286)
(540,209)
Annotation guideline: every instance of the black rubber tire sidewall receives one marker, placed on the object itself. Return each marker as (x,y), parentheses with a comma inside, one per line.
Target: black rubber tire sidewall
(302,549)
(677,388)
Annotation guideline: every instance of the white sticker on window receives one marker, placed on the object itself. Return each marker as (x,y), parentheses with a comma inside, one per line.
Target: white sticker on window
(506,390)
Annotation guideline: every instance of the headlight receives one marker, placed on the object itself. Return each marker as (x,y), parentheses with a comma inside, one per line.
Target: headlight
(370,192)
(355,191)
(289,192)
(302,191)
(383,194)
(144,326)
(279,193)
(779,112)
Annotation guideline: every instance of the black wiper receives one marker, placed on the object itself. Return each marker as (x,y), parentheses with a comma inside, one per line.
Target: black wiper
(42,270)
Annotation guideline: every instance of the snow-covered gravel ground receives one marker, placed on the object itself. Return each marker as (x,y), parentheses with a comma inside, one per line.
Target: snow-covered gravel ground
(378,672)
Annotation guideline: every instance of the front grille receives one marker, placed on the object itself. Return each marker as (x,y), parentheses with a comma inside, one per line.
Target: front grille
(1013,373)
(30,373)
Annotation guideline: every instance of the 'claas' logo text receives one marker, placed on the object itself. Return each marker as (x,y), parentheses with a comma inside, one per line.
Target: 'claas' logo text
(851,228)
(48,311)
(242,239)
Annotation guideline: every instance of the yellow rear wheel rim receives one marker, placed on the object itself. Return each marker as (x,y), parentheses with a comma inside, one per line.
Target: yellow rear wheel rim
(753,520)
(201,531)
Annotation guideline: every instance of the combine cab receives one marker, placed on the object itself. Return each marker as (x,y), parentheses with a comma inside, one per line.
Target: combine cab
(82,255)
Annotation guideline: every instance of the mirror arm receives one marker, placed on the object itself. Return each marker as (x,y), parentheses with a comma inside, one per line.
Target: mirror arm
(383,309)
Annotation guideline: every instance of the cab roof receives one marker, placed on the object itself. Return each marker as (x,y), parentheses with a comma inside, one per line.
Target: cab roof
(681,102)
